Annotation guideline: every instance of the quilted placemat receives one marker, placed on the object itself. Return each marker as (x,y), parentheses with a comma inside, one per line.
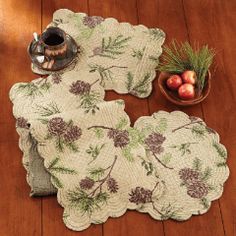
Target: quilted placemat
(122,55)
(44,97)
(190,161)
(96,163)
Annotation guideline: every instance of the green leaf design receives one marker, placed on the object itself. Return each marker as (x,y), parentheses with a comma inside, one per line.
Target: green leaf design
(141,87)
(94,151)
(220,150)
(126,151)
(136,137)
(166,158)
(53,163)
(50,109)
(89,101)
(112,47)
(138,53)
(63,170)
(162,125)
(53,168)
(104,72)
(197,164)
(129,82)
(156,34)
(206,174)
(198,131)
(56,181)
(148,166)
(96,174)
(85,202)
(59,144)
(99,133)
(184,148)
(205,203)
(72,146)
(123,122)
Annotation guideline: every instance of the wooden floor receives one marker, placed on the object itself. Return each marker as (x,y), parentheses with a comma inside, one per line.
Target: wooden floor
(212,22)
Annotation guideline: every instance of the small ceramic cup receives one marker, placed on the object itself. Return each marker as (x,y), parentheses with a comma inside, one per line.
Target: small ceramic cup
(53,41)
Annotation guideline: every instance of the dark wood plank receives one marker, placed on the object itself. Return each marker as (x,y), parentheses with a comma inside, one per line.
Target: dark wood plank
(132,223)
(52,212)
(214,23)
(18,210)
(170,16)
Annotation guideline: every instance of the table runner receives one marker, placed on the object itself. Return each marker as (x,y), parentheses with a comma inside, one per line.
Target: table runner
(37,100)
(122,55)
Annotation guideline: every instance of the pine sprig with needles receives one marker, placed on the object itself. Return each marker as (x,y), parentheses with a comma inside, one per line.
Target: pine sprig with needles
(179,57)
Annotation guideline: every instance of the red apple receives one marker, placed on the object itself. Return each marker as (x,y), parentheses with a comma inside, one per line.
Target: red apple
(189,76)
(186,91)
(174,82)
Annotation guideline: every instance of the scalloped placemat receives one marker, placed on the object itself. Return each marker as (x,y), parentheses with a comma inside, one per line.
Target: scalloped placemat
(122,55)
(96,163)
(44,97)
(189,159)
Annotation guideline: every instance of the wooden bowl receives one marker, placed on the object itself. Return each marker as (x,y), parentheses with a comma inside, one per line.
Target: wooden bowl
(173,97)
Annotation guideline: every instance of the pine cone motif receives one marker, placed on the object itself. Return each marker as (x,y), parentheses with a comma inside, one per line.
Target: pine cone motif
(140,195)
(97,51)
(72,134)
(189,176)
(21,122)
(120,137)
(197,190)
(56,126)
(92,21)
(112,185)
(154,142)
(86,183)
(56,78)
(80,87)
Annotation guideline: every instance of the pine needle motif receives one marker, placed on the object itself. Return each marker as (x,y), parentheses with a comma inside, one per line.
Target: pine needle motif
(48,110)
(104,72)
(141,88)
(21,122)
(111,47)
(55,169)
(33,89)
(90,195)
